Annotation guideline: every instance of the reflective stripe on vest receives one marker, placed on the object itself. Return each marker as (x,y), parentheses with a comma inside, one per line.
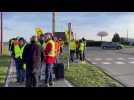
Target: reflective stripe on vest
(52,52)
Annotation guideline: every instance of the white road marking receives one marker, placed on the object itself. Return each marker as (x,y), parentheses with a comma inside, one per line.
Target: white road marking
(119,62)
(98,59)
(131,62)
(120,59)
(105,63)
(131,58)
(94,63)
(88,59)
(109,59)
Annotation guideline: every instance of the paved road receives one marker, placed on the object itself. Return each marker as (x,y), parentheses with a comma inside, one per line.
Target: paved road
(11,80)
(119,63)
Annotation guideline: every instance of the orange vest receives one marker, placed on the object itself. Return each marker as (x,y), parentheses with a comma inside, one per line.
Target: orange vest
(56,47)
(60,43)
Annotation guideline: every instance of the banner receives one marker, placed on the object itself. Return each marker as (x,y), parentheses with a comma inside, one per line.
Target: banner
(38,31)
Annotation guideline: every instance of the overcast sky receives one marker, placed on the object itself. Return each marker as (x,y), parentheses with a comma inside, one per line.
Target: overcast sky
(84,24)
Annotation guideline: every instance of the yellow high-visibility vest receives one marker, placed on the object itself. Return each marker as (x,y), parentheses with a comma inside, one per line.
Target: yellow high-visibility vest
(82,46)
(22,50)
(52,52)
(72,45)
(17,51)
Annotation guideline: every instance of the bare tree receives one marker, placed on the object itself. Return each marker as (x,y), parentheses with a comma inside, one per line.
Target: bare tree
(102,34)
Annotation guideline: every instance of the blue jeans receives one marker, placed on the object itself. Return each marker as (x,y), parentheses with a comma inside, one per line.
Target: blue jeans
(49,73)
(19,71)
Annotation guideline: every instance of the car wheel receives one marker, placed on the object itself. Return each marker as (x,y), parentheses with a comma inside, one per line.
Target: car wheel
(118,48)
(104,47)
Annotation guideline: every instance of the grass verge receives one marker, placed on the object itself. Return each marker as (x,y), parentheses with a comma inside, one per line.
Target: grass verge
(87,75)
(4,64)
(126,46)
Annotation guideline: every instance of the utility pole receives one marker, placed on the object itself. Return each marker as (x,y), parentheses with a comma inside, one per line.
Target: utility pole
(70,33)
(1,42)
(53,22)
(127,35)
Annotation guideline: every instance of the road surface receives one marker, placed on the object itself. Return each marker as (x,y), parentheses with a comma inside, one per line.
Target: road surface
(118,63)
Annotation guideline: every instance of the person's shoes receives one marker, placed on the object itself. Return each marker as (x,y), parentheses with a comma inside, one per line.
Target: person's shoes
(46,85)
(51,83)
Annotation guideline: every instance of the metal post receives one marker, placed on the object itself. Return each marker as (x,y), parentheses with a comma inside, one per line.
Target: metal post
(53,22)
(127,35)
(1,43)
(70,33)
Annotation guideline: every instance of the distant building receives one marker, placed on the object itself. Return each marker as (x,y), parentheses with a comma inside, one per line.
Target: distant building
(61,35)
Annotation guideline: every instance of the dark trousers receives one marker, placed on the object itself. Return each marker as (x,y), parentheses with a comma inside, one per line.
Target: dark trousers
(82,55)
(31,79)
(72,52)
(77,53)
(20,72)
(60,49)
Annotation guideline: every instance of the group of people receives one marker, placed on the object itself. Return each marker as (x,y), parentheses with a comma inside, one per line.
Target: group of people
(78,47)
(41,52)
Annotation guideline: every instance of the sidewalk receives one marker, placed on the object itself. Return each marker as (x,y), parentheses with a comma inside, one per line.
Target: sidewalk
(11,80)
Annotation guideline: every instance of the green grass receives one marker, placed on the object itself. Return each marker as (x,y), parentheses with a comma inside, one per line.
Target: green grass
(87,75)
(4,64)
(127,46)
(63,56)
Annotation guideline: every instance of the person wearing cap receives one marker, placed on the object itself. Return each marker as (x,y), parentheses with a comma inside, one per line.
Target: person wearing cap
(49,60)
(32,59)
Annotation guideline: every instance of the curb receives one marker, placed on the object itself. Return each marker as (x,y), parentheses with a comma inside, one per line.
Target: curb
(68,83)
(109,74)
(7,75)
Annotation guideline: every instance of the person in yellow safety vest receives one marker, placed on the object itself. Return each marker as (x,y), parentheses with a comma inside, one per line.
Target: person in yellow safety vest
(49,61)
(82,50)
(72,49)
(85,44)
(18,49)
